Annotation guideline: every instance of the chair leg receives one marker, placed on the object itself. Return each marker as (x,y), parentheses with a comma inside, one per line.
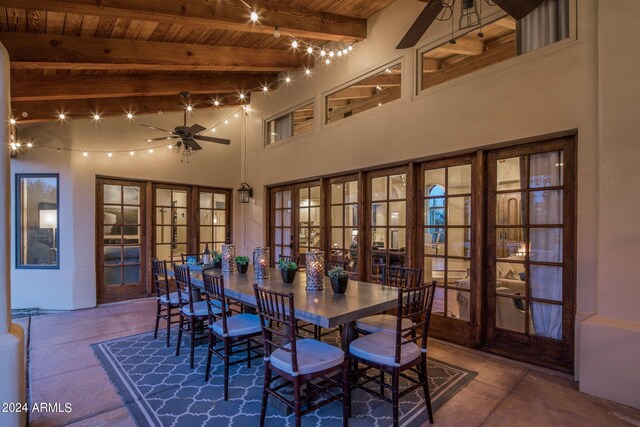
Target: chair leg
(296,401)
(209,354)
(168,325)
(192,343)
(382,383)
(227,350)
(265,394)
(180,323)
(425,388)
(395,390)
(346,394)
(155,333)
(248,352)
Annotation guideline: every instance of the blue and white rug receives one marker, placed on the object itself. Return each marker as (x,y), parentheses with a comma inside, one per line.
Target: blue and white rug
(159,389)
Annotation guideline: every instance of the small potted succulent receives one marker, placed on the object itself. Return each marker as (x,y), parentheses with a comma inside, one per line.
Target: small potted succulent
(287,270)
(217,259)
(242,262)
(339,280)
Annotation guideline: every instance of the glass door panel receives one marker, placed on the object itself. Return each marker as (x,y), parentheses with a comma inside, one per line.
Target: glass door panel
(344,224)
(172,222)
(213,210)
(530,285)
(121,261)
(282,234)
(387,222)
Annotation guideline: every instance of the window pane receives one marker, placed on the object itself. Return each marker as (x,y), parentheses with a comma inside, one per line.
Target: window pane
(434,182)
(546,282)
(163,197)
(219,234)
(219,200)
(379,188)
(510,174)
(112,194)
(546,169)
(180,216)
(459,180)
(336,194)
(180,234)
(180,198)
(112,215)
(131,255)
(378,214)
(131,274)
(336,238)
(38,223)
(509,312)
(545,207)
(434,239)
(397,238)
(547,320)
(397,215)
(206,200)
(546,244)
(398,187)
(112,255)
(206,234)
(370,92)
(286,199)
(112,275)
(131,195)
(510,241)
(219,217)
(509,209)
(290,124)
(351,192)
(315,196)
(131,215)
(459,242)
(379,238)
(206,217)
(459,211)
(351,215)
(336,215)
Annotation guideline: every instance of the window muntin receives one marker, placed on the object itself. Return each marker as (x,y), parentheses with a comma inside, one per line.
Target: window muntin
(293,123)
(212,214)
(367,93)
(344,223)
(38,221)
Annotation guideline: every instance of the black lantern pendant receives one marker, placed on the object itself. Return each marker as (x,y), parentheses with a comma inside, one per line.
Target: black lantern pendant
(245,193)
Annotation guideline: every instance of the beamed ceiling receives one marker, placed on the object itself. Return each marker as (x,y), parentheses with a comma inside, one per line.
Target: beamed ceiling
(111,56)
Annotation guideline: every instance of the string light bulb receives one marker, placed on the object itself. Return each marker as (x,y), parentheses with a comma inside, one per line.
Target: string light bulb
(62,116)
(150,150)
(254,16)
(287,79)
(226,122)
(331,54)
(323,52)
(29,145)
(189,108)
(310,50)
(241,95)
(109,154)
(350,48)
(213,130)
(307,71)
(265,88)
(339,53)
(276,32)
(327,61)
(216,103)
(85,154)
(129,116)
(294,44)
(96,117)
(235,115)
(14,146)
(12,121)
(345,51)
(131,153)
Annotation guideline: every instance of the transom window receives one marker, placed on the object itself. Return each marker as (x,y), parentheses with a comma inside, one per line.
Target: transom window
(293,123)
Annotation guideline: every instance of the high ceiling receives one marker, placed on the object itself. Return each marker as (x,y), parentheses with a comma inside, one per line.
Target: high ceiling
(109,56)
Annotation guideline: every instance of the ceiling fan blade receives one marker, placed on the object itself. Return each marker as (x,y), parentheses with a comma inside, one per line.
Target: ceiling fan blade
(518,8)
(194,145)
(161,138)
(156,128)
(212,139)
(194,129)
(421,24)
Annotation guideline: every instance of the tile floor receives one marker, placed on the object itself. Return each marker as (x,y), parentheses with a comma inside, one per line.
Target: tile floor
(64,369)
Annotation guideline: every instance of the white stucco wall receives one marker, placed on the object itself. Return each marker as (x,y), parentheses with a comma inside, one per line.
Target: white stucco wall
(73,286)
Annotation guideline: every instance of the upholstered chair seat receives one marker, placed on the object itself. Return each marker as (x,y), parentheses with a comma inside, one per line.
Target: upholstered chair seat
(238,324)
(381,322)
(380,347)
(313,356)
(199,309)
(173,299)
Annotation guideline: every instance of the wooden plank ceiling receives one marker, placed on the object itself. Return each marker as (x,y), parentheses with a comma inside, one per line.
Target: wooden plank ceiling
(83,57)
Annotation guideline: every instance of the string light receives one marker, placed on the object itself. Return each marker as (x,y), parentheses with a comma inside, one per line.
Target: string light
(189,108)
(323,52)
(96,117)
(14,146)
(29,144)
(276,33)
(235,115)
(129,116)
(339,53)
(109,154)
(294,44)
(254,16)
(327,61)
(150,150)
(265,88)
(213,130)
(241,96)
(287,80)
(350,48)
(307,71)
(226,122)
(170,146)
(131,153)
(310,50)
(85,154)
(12,121)
(62,116)
(216,103)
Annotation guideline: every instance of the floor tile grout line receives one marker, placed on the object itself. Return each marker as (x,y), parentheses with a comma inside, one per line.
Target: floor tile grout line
(505,397)
(89,416)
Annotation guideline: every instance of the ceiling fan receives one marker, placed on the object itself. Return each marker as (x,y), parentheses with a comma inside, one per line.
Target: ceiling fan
(516,8)
(187,136)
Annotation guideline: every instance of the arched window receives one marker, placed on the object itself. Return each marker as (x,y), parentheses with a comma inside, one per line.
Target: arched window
(436,213)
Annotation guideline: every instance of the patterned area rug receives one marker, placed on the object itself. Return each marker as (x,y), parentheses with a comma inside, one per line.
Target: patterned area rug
(160,389)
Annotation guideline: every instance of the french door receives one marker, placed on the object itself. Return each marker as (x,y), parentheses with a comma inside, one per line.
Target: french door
(172,222)
(344,220)
(296,220)
(386,220)
(531,251)
(448,248)
(120,239)
(214,218)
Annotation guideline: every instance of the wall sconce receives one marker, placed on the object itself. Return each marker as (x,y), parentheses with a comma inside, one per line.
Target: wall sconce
(245,192)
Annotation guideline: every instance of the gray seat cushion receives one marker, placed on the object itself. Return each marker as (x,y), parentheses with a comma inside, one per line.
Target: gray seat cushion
(238,324)
(381,322)
(380,347)
(313,356)
(199,309)
(173,298)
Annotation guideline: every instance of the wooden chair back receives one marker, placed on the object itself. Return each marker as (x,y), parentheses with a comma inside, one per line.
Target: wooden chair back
(278,322)
(216,301)
(401,277)
(414,304)
(183,283)
(160,278)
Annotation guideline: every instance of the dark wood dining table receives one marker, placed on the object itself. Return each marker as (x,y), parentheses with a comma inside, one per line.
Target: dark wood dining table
(322,308)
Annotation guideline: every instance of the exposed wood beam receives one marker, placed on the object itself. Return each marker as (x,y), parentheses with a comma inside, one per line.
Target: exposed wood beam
(81,53)
(493,55)
(42,88)
(364,103)
(353,92)
(463,46)
(41,111)
(506,22)
(430,65)
(380,80)
(213,15)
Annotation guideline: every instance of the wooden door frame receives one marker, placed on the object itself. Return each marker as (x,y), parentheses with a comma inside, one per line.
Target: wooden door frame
(455,330)
(558,355)
(99,241)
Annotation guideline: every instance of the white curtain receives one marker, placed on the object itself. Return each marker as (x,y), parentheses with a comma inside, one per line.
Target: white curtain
(284,127)
(545,208)
(547,24)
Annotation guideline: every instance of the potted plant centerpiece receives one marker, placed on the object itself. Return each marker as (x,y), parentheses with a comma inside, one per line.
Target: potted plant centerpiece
(287,270)
(339,280)
(217,259)
(242,262)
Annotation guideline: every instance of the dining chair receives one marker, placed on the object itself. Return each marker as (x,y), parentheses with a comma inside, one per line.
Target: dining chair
(299,362)
(193,312)
(234,331)
(397,352)
(167,305)
(399,277)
